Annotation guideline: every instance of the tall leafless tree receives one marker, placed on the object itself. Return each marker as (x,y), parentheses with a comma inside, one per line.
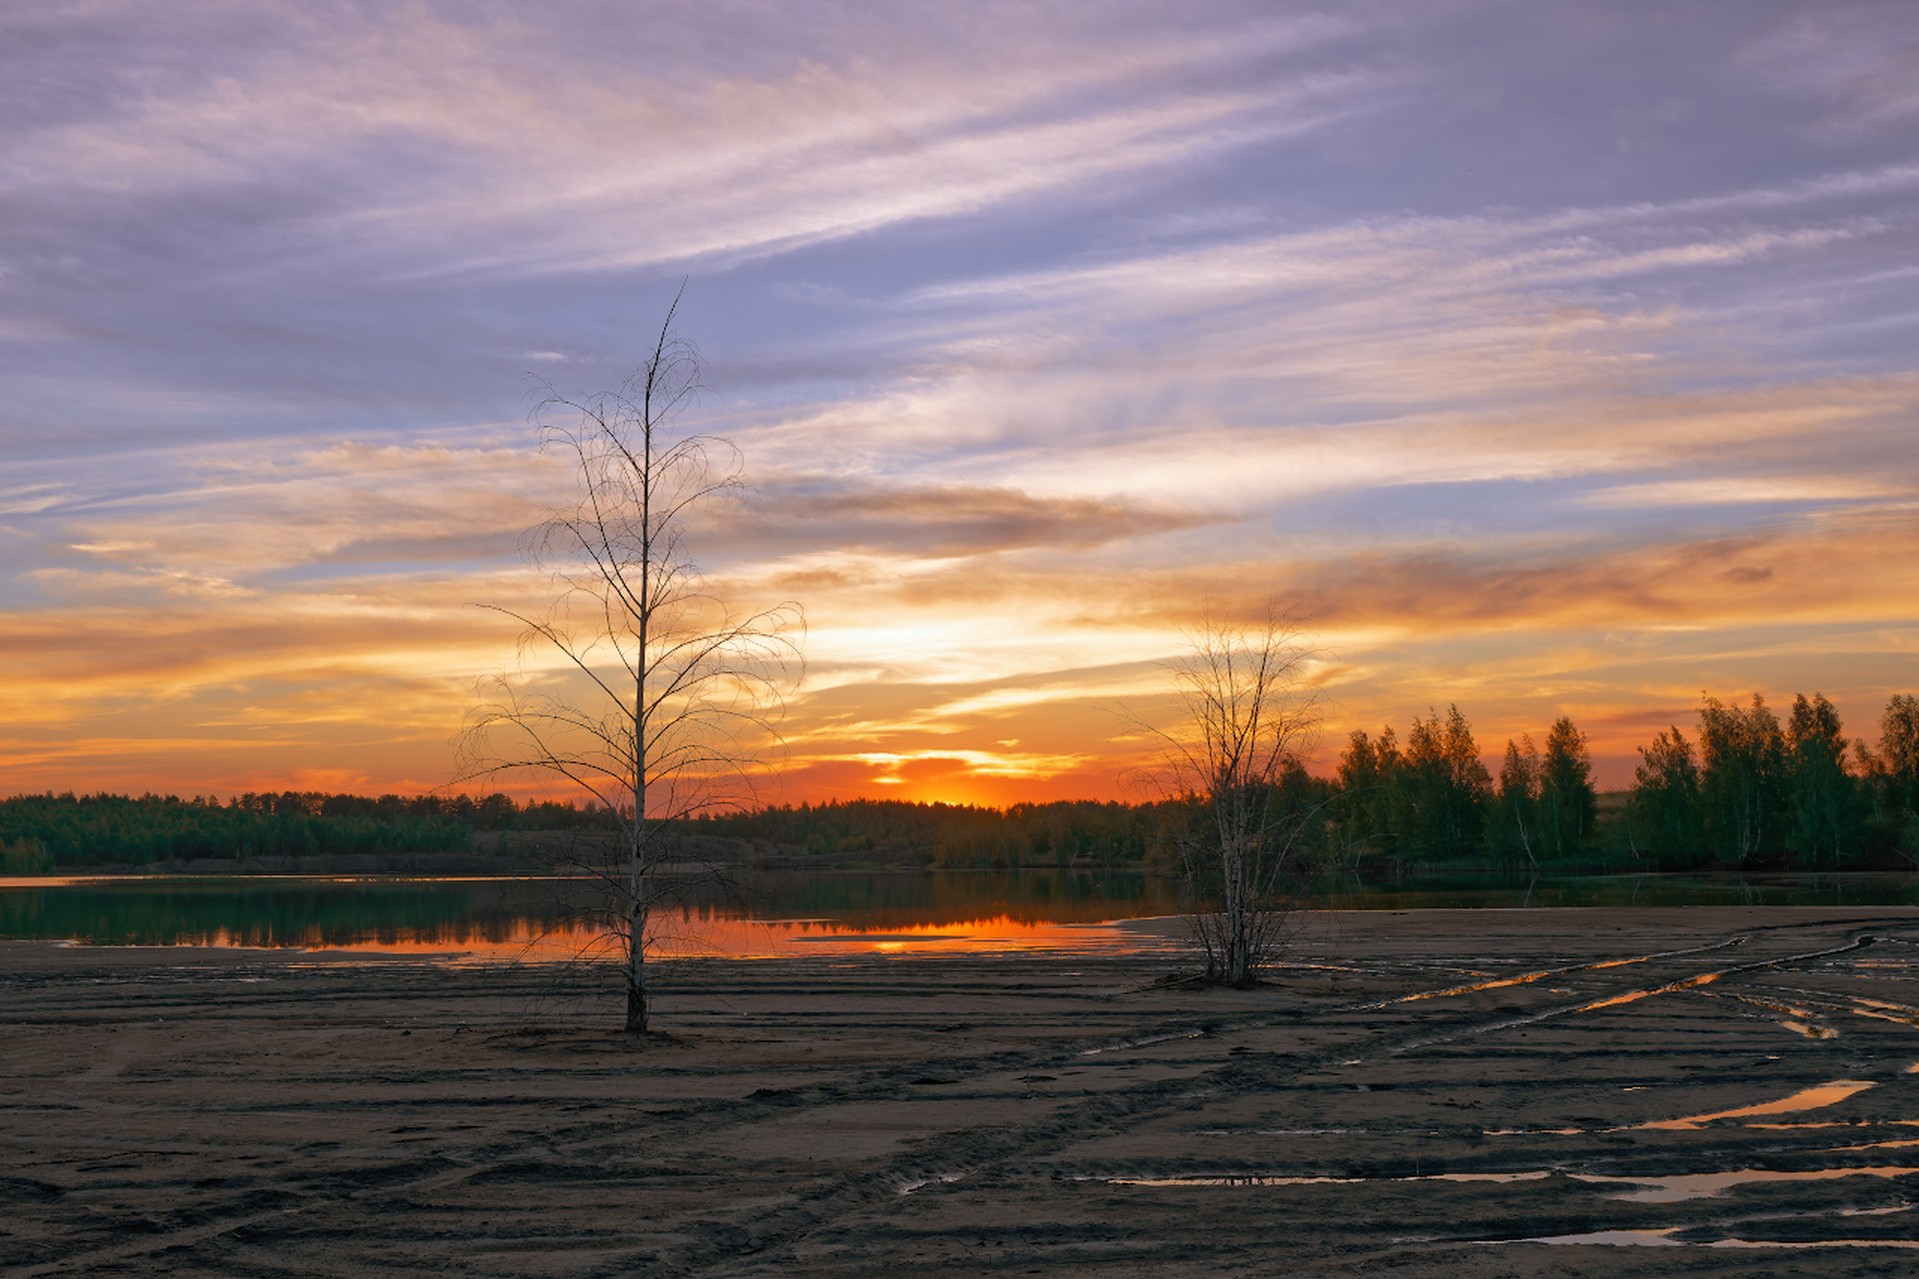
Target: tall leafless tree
(1245,852)
(678,692)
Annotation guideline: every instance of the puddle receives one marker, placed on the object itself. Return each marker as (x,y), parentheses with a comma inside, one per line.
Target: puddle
(1771,1005)
(1524,979)
(1473,988)
(1806,1099)
(1896,1144)
(1809,1125)
(1260,1179)
(1814,1243)
(1612,1001)
(1609,1238)
(1810,1031)
(1881,1010)
(1301,966)
(1661,1190)
(1703,979)
(1273,1132)
(1704,1185)
(1634,996)
(1664,1239)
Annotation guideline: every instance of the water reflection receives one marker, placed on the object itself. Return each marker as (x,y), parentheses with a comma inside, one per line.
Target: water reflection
(1816,1098)
(552,920)
(778,913)
(1706,1185)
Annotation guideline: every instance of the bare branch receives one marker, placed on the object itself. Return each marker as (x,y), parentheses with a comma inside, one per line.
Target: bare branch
(683,697)
(1241,844)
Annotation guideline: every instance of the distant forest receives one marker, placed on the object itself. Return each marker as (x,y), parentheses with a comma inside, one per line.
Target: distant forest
(1744,791)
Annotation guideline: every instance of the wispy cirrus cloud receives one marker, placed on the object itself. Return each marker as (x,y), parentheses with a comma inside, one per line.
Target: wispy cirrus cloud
(1548,360)
(1856,61)
(520,145)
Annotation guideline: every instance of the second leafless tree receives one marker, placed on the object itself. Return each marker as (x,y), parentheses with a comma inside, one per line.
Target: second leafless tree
(1246,854)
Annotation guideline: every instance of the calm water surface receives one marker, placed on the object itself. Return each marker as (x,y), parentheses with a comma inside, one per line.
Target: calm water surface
(782,914)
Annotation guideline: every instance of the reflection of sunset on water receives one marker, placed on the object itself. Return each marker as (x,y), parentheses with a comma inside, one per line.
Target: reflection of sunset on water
(706,938)
(554,920)
(739,938)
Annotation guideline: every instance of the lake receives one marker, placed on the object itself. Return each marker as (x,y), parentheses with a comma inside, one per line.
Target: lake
(785,913)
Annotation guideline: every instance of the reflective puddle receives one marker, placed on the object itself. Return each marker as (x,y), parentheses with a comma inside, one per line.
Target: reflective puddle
(1260,1179)
(1609,1238)
(1806,1099)
(1656,1189)
(1664,1239)
(1705,1185)
(1880,1010)
(1634,996)
(1809,1030)
(1526,979)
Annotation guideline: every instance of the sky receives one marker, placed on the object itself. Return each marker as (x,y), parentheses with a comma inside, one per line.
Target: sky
(1546,358)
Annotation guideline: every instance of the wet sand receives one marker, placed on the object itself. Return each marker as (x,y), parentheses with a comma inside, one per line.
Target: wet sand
(1424,1091)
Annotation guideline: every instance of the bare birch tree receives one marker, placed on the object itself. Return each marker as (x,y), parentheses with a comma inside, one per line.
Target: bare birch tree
(679,691)
(1245,852)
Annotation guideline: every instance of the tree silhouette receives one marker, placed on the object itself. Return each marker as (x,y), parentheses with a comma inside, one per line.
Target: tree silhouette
(677,692)
(1242,847)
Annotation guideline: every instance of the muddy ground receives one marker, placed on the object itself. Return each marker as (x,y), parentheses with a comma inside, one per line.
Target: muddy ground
(1435,1092)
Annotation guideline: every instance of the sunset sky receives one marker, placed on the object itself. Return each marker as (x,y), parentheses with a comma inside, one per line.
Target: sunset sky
(1546,358)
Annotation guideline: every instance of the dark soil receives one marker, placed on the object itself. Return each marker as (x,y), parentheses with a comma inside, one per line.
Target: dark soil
(1423,1091)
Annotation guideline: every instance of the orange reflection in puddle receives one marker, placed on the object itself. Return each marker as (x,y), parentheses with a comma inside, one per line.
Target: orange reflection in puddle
(1262,1179)
(1800,1021)
(1880,1010)
(1633,996)
(1526,979)
(1473,988)
(1806,1099)
(57,881)
(1705,1185)
(1655,1189)
(1664,1238)
(722,937)
(1520,979)
(1810,1031)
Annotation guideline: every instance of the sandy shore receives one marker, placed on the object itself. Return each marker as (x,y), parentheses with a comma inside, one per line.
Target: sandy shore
(1426,1091)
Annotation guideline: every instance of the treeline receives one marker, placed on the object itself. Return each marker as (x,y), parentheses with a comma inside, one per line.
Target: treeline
(1744,791)
(1063,833)
(41,832)
(44,832)
(1751,791)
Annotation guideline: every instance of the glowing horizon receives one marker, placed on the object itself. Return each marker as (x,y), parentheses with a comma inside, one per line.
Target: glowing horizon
(1544,359)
